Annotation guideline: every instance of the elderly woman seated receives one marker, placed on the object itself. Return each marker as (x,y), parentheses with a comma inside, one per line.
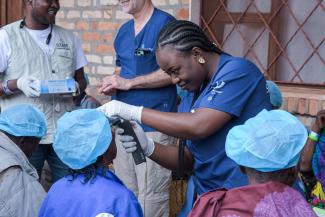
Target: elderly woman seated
(83,142)
(267,148)
(21,129)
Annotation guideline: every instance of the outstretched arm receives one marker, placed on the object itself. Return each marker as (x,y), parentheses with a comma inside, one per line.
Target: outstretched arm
(200,124)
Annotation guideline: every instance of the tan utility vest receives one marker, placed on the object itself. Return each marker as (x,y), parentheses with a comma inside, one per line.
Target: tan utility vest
(28,59)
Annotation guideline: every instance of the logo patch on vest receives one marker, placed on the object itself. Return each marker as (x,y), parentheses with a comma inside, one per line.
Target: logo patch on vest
(62,45)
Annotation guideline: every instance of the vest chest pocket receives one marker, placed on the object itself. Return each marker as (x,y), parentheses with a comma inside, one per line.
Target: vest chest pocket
(64,63)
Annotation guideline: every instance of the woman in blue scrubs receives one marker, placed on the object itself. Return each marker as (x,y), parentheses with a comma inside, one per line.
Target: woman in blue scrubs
(227,91)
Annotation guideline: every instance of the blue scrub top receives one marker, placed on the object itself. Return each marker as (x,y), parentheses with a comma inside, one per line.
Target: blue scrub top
(100,195)
(126,43)
(239,89)
(186,102)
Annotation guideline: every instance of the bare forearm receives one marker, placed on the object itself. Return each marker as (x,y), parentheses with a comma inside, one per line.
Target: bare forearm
(196,125)
(307,152)
(167,156)
(80,78)
(306,156)
(153,80)
(173,124)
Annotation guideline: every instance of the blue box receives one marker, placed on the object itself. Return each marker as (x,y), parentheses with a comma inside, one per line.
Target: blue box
(65,86)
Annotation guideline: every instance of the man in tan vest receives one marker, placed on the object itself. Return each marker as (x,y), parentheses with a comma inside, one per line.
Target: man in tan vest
(32,50)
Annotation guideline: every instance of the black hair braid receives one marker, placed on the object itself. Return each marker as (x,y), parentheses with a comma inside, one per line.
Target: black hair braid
(174,38)
(168,29)
(174,33)
(89,173)
(184,35)
(195,41)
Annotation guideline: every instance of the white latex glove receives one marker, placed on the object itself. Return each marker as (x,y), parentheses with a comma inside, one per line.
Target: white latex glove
(126,111)
(128,143)
(30,87)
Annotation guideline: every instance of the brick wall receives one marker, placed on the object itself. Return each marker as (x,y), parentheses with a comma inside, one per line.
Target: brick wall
(96,22)
(304,102)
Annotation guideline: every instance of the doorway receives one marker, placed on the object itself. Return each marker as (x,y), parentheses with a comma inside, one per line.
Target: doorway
(10,11)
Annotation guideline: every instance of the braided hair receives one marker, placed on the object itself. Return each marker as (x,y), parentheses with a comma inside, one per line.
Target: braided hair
(88,173)
(184,35)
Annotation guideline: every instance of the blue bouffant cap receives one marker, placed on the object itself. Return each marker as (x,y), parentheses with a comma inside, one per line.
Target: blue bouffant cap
(268,142)
(23,120)
(81,137)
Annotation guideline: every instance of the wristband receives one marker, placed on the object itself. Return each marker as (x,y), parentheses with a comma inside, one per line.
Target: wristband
(6,89)
(313,136)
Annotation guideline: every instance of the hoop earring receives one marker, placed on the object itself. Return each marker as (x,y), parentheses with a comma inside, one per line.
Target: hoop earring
(201,60)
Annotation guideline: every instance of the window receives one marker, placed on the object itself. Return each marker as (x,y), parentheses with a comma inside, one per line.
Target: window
(285,38)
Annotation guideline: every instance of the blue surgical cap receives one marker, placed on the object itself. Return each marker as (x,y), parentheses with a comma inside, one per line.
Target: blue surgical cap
(268,142)
(23,120)
(275,94)
(81,137)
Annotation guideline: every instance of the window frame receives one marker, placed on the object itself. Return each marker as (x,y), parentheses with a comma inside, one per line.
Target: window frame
(196,15)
